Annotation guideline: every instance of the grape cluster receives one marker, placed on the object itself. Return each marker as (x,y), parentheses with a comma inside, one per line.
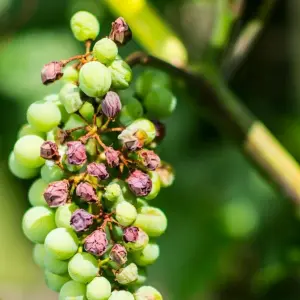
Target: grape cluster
(93,146)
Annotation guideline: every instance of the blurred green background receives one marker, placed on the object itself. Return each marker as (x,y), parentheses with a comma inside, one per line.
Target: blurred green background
(230,236)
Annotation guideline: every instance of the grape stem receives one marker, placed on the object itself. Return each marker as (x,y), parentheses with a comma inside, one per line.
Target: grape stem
(256,141)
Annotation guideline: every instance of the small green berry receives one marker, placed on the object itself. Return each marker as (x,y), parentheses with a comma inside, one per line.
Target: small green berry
(121,74)
(85,26)
(105,50)
(94,79)
(69,96)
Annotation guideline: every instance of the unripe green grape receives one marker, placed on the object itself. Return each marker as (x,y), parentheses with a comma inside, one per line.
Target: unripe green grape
(37,222)
(130,112)
(125,213)
(152,220)
(121,295)
(62,243)
(69,96)
(50,173)
(27,151)
(73,122)
(73,290)
(160,103)
(38,254)
(94,79)
(55,265)
(70,74)
(19,170)
(155,185)
(113,192)
(54,281)
(27,129)
(63,215)
(105,51)
(145,125)
(83,267)
(121,74)
(139,244)
(87,111)
(43,115)
(98,289)
(54,98)
(36,193)
(147,256)
(147,292)
(127,275)
(84,26)
(150,79)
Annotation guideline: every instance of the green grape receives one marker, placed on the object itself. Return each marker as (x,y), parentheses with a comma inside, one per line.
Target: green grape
(36,193)
(39,255)
(70,74)
(69,96)
(113,192)
(84,26)
(37,222)
(150,79)
(73,122)
(63,215)
(121,295)
(27,151)
(43,115)
(130,112)
(94,79)
(62,243)
(155,185)
(27,129)
(125,213)
(145,125)
(105,50)
(50,173)
(147,292)
(19,170)
(55,265)
(121,74)
(160,103)
(87,111)
(73,290)
(152,220)
(54,281)
(147,256)
(98,289)
(83,267)
(54,98)
(127,275)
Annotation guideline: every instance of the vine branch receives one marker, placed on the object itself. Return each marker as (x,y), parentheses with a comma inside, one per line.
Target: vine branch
(250,134)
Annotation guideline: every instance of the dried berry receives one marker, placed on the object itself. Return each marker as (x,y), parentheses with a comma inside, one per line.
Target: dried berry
(111,105)
(139,183)
(118,254)
(160,129)
(96,243)
(86,192)
(149,159)
(131,234)
(132,139)
(112,157)
(120,32)
(51,72)
(135,239)
(81,220)
(76,153)
(56,194)
(49,150)
(97,170)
